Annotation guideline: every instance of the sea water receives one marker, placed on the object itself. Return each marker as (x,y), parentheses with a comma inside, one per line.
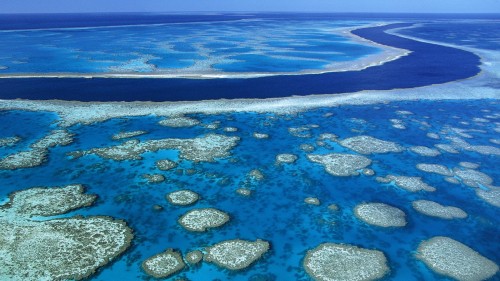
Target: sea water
(217,46)
(275,211)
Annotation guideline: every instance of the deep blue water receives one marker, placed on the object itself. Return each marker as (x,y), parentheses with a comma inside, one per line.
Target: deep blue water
(275,212)
(476,34)
(427,64)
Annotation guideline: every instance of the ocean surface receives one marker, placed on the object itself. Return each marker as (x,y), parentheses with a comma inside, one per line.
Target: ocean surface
(275,211)
(216,45)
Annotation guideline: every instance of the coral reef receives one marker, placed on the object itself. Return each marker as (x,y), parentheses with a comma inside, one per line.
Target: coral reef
(435,168)
(434,209)
(179,122)
(286,158)
(164,264)
(236,254)
(453,259)
(183,197)
(425,151)
(126,135)
(380,214)
(204,149)
(165,164)
(338,164)
(60,249)
(340,262)
(412,184)
(370,145)
(312,201)
(200,220)
(38,153)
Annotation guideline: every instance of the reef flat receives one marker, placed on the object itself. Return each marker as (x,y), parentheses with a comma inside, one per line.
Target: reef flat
(56,249)
(236,254)
(205,148)
(38,152)
(435,209)
(163,264)
(341,164)
(336,262)
(380,214)
(454,259)
(201,220)
(183,197)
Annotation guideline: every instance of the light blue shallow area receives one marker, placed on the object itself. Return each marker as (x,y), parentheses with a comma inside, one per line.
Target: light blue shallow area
(275,212)
(186,48)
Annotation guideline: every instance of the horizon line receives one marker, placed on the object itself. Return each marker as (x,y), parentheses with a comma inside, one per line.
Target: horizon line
(256,12)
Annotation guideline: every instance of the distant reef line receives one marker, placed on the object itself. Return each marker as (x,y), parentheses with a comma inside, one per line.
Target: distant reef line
(425,64)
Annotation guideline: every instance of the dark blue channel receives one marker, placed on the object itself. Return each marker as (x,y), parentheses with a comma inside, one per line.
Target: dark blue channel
(427,64)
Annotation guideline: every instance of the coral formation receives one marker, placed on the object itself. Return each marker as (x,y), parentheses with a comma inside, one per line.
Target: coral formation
(183,197)
(236,254)
(200,220)
(340,262)
(165,164)
(126,135)
(38,153)
(338,164)
(434,209)
(454,259)
(370,145)
(286,158)
(380,214)
(205,148)
(412,184)
(60,249)
(179,122)
(164,264)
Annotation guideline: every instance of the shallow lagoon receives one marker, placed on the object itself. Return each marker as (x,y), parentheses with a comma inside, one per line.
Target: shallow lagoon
(215,47)
(275,211)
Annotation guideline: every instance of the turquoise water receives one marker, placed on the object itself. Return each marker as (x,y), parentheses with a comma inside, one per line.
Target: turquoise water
(213,47)
(275,211)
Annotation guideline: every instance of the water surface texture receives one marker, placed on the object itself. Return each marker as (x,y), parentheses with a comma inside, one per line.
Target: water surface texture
(291,171)
(275,211)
